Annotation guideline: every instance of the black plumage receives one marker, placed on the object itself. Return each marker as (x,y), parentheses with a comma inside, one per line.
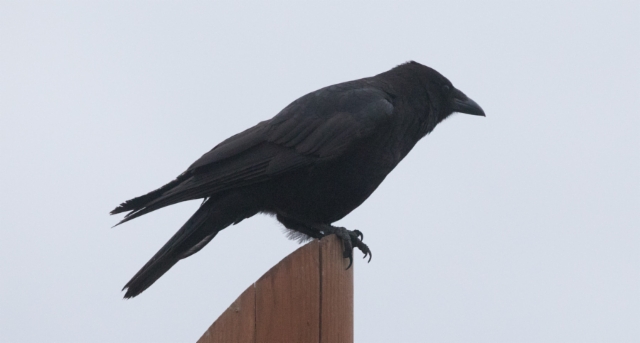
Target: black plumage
(310,165)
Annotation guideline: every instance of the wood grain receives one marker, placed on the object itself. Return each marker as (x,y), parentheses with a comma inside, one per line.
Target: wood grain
(288,299)
(336,306)
(307,297)
(237,323)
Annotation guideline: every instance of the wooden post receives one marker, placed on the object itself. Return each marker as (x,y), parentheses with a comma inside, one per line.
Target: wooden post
(306,297)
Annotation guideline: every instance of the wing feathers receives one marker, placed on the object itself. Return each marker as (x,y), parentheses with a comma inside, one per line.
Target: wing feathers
(313,129)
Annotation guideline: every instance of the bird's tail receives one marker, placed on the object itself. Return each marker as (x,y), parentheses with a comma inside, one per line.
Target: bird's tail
(140,202)
(169,194)
(212,216)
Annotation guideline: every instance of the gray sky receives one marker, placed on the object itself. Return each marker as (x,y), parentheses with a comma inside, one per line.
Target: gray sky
(519,227)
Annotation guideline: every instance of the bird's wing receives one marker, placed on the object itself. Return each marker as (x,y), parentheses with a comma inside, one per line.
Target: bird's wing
(317,127)
(322,124)
(328,131)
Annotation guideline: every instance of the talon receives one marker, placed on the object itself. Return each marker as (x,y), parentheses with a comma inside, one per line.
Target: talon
(350,240)
(347,252)
(359,234)
(365,250)
(350,262)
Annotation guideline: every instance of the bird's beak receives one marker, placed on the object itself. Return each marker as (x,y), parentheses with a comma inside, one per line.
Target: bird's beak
(464,104)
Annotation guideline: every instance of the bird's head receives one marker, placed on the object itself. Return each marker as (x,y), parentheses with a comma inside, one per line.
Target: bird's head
(443,98)
(458,101)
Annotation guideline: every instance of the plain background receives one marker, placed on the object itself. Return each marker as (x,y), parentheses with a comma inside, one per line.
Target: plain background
(519,227)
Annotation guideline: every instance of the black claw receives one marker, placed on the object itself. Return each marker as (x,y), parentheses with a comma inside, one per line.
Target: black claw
(348,253)
(350,240)
(367,253)
(347,248)
(359,234)
(350,262)
(363,247)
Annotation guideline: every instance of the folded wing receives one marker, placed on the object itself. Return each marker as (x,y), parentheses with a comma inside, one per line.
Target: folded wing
(319,126)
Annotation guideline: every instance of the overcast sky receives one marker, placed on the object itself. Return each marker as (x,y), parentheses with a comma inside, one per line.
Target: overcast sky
(523,226)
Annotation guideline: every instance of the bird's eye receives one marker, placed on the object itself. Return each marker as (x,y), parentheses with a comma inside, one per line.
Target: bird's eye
(446,88)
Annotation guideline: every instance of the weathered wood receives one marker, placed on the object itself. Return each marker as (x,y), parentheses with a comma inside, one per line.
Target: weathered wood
(306,297)
(336,302)
(288,298)
(237,324)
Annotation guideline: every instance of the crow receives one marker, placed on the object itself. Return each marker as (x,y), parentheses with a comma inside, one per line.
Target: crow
(310,165)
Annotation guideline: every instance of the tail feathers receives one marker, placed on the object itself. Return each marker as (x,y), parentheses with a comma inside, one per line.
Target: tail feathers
(157,266)
(193,232)
(151,272)
(138,203)
(170,196)
(200,229)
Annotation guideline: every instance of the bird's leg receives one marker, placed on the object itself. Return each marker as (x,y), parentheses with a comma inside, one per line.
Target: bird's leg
(350,239)
(297,226)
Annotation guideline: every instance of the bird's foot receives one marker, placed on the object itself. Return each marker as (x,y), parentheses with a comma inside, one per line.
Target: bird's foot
(350,239)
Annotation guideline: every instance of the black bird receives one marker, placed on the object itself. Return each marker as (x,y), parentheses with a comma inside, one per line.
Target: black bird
(310,165)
